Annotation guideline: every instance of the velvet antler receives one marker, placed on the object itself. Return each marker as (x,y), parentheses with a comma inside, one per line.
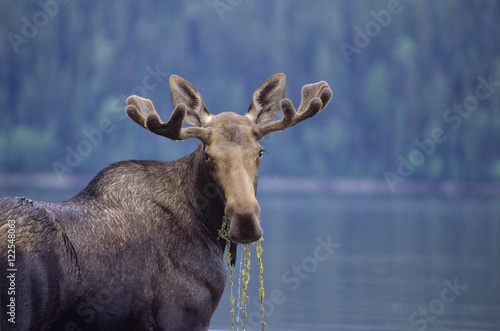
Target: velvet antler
(315,97)
(184,95)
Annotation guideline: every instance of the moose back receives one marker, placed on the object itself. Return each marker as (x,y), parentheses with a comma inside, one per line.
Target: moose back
(138,248)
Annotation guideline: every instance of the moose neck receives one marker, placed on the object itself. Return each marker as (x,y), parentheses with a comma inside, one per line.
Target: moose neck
(204,193)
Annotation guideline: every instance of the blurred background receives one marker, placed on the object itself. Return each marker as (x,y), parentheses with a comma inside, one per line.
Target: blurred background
(401,170)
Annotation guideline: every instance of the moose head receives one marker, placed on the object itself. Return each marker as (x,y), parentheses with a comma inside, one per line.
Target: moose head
(231,151)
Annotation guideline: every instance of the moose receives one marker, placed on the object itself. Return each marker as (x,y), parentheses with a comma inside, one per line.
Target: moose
(138,248)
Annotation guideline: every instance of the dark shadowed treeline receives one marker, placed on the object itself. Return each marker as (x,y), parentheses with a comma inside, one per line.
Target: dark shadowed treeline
(416,83)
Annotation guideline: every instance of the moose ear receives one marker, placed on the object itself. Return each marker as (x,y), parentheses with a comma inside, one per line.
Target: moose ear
(182,92)
(266,99)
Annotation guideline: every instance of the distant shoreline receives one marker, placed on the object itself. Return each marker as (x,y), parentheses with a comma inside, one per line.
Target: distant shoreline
(358,186)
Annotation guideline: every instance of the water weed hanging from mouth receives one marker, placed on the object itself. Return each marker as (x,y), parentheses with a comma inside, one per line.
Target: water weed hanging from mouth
(259,250)
(245,279)
(223,233)
(245,274)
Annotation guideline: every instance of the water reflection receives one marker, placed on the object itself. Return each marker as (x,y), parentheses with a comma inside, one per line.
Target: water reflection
(413,263)
(394,260)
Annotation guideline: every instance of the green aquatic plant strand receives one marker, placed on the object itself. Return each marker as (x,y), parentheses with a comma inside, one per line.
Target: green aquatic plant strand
(224,234)
(245,279)
(259,250)
(245,274)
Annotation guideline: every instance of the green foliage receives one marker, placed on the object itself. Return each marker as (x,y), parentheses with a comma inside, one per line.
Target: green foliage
(245,274)
(259,250)
(245,279)
(4,147)
(27,148)
(224,234)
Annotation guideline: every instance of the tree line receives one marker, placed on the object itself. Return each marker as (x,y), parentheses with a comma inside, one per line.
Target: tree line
(416,84)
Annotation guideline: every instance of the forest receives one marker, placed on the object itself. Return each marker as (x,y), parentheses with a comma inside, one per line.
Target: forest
(416,84)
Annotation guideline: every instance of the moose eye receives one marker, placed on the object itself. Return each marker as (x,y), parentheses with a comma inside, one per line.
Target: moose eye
(261,153)
(206,157)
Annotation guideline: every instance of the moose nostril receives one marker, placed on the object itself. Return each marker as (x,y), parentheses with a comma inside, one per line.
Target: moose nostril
(244,224)
(245,229)
(245,236)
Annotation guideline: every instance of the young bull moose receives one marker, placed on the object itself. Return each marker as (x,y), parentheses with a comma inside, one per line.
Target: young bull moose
(138,248)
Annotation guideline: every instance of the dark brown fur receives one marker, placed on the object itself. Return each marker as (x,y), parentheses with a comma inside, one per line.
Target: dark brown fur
(107,259)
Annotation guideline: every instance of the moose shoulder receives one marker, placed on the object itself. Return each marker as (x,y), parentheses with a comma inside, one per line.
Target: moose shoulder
(138,248)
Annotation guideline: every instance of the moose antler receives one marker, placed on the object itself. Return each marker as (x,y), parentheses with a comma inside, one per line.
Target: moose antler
(188,107)
(315,97)
(142,112)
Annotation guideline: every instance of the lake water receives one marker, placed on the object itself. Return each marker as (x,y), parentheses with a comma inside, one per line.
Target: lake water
(392,264)
(370,263)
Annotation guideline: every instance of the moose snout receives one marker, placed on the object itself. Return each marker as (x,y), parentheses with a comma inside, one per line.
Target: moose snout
(244,227)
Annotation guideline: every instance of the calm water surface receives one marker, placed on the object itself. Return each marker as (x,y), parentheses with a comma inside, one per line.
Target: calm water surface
(394,264)
(366,263)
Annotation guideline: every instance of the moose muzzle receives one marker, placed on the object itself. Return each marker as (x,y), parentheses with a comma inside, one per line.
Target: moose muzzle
(244,227)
